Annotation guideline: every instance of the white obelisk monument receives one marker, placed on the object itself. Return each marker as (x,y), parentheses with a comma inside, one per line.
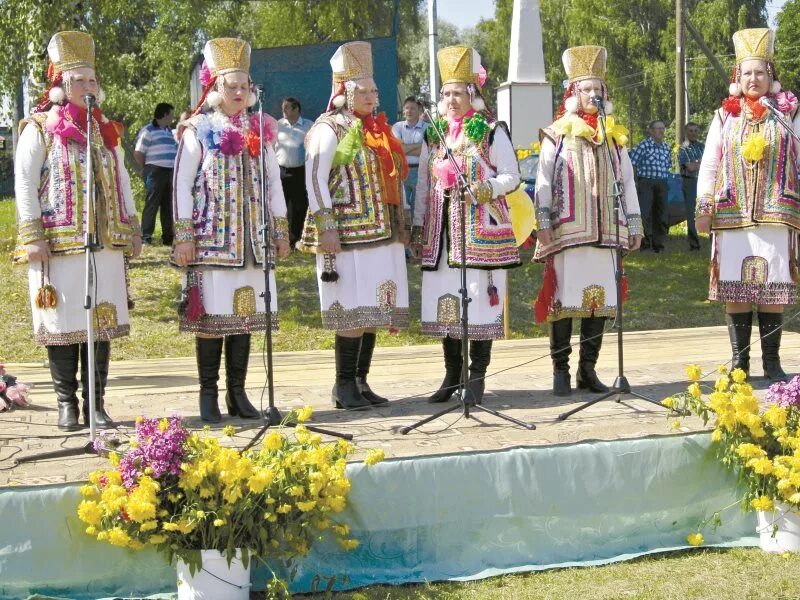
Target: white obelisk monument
(525,100)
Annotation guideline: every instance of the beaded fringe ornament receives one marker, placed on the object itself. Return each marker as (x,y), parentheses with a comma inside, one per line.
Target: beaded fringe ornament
(494,299)
(46,296)
(329,274)
(191,305)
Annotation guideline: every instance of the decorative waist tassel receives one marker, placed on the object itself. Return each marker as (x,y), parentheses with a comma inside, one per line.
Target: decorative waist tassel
(494,299)
(46,296)
(329,274)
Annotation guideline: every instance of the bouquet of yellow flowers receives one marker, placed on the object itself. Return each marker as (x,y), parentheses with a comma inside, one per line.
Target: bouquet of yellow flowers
(184,492)
(761,445)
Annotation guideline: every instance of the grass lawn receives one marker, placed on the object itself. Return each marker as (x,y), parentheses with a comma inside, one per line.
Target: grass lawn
(736,574)
(665,291)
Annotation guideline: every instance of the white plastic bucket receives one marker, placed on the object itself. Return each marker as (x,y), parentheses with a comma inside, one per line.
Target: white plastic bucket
(787,535)
(215,580)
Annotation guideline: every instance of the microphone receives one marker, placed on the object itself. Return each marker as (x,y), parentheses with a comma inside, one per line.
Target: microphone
(89,99)
(768,103)
(598,102)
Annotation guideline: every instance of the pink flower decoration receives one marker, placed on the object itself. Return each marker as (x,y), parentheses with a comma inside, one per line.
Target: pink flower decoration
(482,76)
(205,75)
(443,171)
(270,133)
(64,128)
(232,142)
(2,386)
(787,101)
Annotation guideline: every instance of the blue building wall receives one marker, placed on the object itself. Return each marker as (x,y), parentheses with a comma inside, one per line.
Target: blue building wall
(305,73)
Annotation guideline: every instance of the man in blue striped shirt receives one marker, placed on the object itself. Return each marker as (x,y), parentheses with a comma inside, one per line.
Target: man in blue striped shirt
(652,162)
(155,152)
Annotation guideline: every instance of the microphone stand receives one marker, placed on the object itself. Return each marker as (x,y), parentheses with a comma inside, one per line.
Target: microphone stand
(272,416)
(621,385)
(465,396)
(91,243)
(767,103)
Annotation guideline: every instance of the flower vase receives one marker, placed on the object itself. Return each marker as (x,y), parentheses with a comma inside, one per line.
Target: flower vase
(787,535)
(215,580)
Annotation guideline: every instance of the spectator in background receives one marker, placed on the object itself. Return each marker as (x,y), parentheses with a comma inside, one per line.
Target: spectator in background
(412,133)
(652,162)
(291,153)
(689,156)
(155,152)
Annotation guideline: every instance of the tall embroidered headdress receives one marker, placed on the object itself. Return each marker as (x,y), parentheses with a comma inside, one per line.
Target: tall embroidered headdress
(351,61)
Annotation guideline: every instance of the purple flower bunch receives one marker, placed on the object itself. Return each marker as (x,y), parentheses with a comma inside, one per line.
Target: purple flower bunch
(785,394)
(160,448)
(232,141)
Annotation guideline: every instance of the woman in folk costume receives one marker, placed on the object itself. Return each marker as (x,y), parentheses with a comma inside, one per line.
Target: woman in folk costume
(218,214)
(53,216)
(483,150)
(748,196)
(576,236)
(354,172)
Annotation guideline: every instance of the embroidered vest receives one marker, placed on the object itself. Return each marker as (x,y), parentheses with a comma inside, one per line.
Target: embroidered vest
(226,212)
(356,190)
(490,242)
(62,193)
(764,191)
(582,187)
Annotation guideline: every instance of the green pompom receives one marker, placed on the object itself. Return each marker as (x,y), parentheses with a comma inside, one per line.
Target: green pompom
(476,127)
(349,145)
(432,135)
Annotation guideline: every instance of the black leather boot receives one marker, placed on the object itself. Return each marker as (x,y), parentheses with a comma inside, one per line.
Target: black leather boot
(63,362)
(209,356)
(345,394)
(480,354)
(237,355)
(452,370)
(364,362)
(560,349)
(770,326)
(591,341)
(740,326)
(102,354)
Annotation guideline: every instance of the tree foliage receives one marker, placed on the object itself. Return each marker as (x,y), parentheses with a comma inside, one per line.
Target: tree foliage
(640,38)
(787,57)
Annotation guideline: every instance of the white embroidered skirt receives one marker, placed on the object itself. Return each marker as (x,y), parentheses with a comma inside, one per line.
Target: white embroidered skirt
(441,302)
(585,283)
(754,265)
(233,301)
(371,291)
(66,323)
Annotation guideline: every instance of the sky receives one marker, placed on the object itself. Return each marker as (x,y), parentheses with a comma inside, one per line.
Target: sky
(467,13)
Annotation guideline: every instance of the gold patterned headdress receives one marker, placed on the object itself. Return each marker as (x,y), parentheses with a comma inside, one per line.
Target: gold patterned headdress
(352,61)
(459,64)
(585,62)
(754,44)
(69,50)
(226,55)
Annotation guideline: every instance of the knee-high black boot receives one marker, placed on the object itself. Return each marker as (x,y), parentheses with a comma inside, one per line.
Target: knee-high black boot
(364,362)
(102,354)
(480,354)
(740,325)
(209,355)
(345,394)
(770,326)
(452,370)
(591,341)
(560,349)
(237,355)
(63,362)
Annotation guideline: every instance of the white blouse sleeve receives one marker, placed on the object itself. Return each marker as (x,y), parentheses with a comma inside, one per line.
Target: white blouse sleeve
(187,164)
(709,167)
(629,184)
(277,201)
(504,159)
(319,161)
(28,162)
(545,170)
(127,192)
(423,185)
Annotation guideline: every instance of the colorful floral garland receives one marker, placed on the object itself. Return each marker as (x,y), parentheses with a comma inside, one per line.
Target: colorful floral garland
(475,128)
(230,135)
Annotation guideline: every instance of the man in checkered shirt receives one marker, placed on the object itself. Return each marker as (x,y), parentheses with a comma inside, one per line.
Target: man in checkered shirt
(652,162)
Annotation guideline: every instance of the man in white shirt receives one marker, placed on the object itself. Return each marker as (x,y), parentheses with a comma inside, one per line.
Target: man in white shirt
(291,153)
(412,133)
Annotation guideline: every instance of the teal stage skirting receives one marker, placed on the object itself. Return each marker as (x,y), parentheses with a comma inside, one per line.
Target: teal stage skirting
(452,517)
